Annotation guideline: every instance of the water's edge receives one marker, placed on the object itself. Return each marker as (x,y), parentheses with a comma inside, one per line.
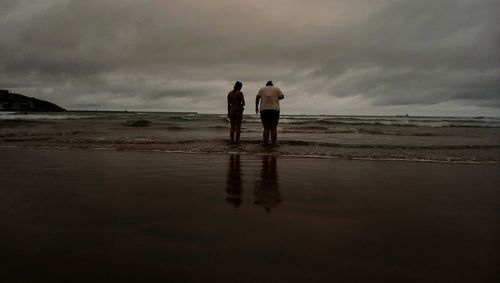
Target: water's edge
(308,156)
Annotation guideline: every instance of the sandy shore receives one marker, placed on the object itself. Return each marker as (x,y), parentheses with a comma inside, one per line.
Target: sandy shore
(111,216)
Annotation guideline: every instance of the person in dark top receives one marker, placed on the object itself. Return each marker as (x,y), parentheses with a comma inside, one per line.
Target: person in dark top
(235,107)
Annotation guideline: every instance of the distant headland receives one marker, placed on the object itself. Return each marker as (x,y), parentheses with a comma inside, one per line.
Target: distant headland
(18,102)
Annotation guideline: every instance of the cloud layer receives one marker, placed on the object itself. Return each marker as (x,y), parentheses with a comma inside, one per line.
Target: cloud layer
(337,57)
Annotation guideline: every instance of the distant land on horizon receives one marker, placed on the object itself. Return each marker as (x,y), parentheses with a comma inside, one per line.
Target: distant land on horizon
(18,102)
(96,110)
(130,111)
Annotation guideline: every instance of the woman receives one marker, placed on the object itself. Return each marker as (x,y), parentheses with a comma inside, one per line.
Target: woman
(235,107)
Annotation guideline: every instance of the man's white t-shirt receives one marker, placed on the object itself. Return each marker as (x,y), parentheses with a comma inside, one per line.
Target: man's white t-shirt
(270,98)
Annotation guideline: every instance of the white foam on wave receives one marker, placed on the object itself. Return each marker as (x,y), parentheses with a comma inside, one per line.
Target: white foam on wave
(34,117)
(7,113)
(287,155)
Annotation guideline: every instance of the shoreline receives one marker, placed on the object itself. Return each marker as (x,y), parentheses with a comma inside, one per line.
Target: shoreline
(270,152)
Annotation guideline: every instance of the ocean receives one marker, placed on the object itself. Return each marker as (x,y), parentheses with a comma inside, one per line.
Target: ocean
(425,139)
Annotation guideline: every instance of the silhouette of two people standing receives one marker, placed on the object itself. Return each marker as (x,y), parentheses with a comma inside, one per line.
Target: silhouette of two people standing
(267,103)
(266,187)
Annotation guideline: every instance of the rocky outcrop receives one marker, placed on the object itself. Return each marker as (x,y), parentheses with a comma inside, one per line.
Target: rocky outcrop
(18,102)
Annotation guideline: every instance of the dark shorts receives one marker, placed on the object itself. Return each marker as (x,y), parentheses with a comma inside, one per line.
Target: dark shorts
(270,118)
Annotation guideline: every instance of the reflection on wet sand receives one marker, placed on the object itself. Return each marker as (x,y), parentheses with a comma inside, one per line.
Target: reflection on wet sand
(234,181)
(266,191)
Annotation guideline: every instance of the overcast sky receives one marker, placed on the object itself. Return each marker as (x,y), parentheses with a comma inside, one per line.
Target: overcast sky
(421,57)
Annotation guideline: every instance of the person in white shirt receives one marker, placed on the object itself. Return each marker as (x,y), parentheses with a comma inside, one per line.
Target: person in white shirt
(269,98)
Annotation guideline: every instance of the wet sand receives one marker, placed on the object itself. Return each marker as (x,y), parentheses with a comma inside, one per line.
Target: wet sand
(113,216)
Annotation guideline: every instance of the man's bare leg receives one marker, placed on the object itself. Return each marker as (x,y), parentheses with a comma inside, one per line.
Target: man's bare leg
(274,135)
(265,135)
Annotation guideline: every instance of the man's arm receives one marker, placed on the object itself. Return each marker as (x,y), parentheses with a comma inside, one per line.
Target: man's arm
(257,99)
(281,95)
(242,99)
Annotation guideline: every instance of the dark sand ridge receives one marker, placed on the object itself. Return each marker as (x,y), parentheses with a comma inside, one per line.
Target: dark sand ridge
(110,216)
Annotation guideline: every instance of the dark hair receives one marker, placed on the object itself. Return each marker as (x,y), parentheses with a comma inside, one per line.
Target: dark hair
(238,85)
(269,83)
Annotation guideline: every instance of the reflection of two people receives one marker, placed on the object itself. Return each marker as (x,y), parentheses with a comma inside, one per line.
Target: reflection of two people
(266,189)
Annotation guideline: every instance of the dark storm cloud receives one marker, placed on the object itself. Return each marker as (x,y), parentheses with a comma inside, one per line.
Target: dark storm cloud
(187,54)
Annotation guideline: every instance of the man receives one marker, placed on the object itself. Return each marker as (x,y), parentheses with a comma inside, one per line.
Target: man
(269,98)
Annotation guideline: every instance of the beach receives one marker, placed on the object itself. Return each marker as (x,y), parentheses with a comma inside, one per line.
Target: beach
(108,215)
(249,141)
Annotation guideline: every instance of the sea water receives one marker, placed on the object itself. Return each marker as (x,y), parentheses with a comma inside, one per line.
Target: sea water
(433,139)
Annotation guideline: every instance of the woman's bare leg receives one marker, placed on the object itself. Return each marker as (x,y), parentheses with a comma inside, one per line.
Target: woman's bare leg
(231,133)
(238,129)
